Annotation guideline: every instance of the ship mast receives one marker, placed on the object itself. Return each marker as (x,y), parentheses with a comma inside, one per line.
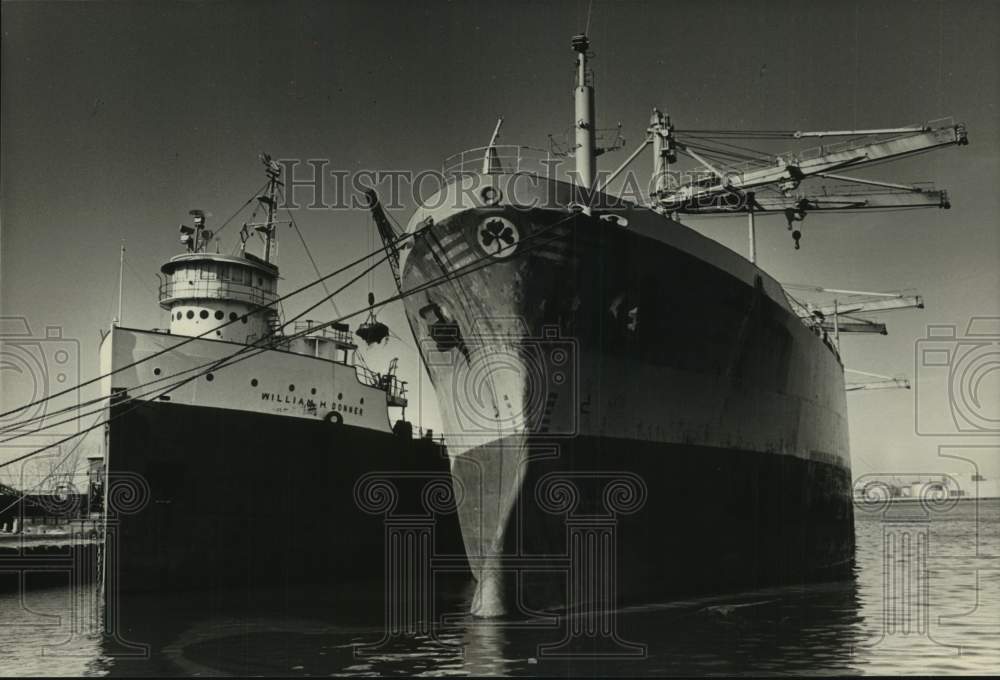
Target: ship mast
(269,201)
(121,287)
(661,136)
(584,97)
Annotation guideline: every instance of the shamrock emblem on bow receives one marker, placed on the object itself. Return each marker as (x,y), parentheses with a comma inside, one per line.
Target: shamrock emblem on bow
(499,233)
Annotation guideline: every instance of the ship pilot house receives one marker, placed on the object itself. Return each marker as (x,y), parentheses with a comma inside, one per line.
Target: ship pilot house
(232,294)
(232,298)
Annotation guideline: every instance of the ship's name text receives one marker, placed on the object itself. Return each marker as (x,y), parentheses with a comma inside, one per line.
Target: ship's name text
(309,404)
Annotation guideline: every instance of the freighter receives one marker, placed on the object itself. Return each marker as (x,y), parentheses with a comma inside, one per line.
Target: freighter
(597,363)
(236,440)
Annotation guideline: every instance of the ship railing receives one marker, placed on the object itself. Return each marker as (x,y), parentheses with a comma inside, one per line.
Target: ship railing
(811,321)
(394,388)
(338,332)
(217,289)
(500,159)
(808,319)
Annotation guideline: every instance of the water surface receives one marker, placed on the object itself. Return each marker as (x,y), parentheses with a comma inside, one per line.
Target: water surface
(925,599)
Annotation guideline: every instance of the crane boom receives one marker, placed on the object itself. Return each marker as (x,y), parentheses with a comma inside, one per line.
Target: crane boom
(810,202)
(791,169)
(891,384)
(901,302)
(882,382)
(387,234)
(855,326)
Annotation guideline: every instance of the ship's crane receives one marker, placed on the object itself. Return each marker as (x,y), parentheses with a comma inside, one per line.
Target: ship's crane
(728,189)
(850,324)
(788,170)
(881,382)
(838,316)
(388,233)
(735,178)
(795,205)
(888,301)
(835,319)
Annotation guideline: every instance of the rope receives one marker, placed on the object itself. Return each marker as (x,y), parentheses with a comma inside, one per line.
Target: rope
(25,493)
(208,367)
(309,254)
(705,148)
(212,366)
(224,362)
(350,265)
(139,279)
(240,209)
(743,134)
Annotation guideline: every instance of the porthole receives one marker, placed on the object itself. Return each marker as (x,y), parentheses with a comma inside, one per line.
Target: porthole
(203,314)
(209,377)
(312,391)
(291,388)
(253,383)
(190,314)
(362,400)
(233,316)
(615,219)
(243,318)
(179,315)
(219,314)
(340,396)
(156,371)
(491,195)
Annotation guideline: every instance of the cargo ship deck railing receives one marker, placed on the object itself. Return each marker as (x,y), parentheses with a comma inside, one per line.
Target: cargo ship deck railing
(338,332)
(811,322)
(394,388)
(501,159)
(215,289)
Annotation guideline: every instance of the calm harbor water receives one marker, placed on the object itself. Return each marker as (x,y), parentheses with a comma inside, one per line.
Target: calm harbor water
(925,600)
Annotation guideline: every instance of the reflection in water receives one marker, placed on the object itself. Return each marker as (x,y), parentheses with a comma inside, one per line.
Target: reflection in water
(916,605)
(46,632)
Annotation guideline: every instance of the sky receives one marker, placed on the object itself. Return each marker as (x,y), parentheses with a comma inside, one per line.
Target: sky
(117,118)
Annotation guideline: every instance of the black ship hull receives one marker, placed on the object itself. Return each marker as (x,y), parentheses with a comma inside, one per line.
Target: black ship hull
(241,502)
(679,520)
(618,369)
